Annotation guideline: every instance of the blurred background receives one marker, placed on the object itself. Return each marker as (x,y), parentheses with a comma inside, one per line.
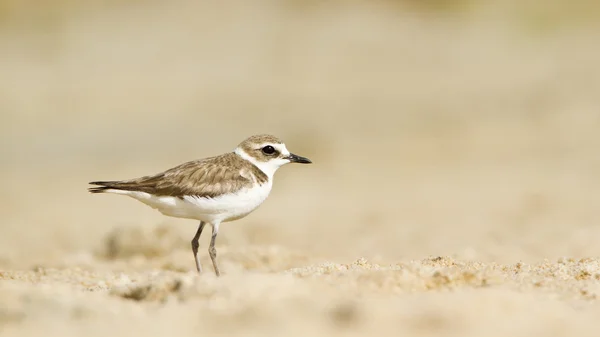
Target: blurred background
(466,128)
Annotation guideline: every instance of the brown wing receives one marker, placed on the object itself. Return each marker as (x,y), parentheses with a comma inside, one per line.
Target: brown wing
(208,178)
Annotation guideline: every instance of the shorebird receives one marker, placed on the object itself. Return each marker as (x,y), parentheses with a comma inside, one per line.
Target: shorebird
(212,190)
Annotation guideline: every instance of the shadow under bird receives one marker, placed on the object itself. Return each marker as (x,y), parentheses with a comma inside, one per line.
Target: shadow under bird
(212,190)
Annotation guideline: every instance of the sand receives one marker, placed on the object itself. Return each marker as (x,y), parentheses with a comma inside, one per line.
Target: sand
(454,190)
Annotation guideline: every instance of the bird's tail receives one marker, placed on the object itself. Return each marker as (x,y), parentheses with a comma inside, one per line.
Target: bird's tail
(144,184)
(104,186)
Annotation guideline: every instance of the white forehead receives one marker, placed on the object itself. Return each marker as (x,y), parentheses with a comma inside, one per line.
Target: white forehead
(270,166)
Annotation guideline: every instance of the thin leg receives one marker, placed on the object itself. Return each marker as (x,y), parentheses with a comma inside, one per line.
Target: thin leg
(211,249)
(195,245)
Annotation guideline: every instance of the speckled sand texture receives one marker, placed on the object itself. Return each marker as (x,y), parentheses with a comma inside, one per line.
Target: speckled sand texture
(438,295)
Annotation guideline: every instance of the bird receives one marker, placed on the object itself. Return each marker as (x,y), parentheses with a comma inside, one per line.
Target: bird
(212,190)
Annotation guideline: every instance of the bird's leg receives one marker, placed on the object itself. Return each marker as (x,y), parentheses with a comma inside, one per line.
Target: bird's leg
(195,245)
(211,249)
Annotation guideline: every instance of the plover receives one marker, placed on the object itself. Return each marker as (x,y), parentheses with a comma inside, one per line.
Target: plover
(212,190)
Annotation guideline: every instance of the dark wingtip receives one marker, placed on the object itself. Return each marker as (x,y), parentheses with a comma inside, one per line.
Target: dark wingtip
(101,183)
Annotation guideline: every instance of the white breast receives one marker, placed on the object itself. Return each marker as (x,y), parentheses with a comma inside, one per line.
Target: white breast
(223,208)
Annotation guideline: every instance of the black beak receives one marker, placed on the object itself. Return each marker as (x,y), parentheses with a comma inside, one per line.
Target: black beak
(297,159)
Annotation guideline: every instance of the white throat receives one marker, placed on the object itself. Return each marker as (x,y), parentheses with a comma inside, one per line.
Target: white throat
(268,167)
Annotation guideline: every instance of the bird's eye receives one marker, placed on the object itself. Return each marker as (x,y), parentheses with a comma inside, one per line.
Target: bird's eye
(268,150)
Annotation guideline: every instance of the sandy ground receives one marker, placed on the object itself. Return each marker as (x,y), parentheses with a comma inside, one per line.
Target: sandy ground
(454,190)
